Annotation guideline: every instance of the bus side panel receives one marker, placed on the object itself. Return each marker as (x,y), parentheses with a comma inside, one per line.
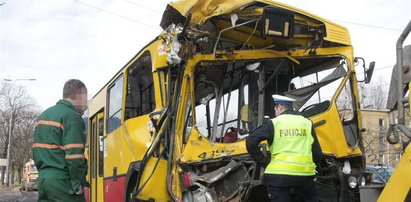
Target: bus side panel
(156,187)
(114,189)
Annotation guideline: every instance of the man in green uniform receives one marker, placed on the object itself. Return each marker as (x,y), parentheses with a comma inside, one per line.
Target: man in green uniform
(58,147)
(294,148)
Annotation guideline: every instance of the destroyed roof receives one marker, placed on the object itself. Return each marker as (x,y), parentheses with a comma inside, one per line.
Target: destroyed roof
(200,11)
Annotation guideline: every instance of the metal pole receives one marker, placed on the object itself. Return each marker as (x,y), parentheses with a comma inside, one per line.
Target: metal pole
(400,84)
(9,150)
(261,95)
(319,96)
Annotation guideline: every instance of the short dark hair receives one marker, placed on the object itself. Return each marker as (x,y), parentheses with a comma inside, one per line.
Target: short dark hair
(73,87)
(286,106)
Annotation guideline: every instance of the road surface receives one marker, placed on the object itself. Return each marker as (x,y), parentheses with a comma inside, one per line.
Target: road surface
(14,195)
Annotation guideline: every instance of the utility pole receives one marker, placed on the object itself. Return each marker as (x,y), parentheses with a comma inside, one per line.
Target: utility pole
(9,149)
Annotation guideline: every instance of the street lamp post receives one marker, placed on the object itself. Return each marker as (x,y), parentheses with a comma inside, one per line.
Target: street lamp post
(9,149)
(9,156)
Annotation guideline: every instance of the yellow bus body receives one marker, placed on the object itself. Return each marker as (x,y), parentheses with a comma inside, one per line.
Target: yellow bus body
(131,147)
(30,176)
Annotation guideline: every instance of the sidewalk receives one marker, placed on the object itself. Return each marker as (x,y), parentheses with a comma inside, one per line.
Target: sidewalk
(8,195)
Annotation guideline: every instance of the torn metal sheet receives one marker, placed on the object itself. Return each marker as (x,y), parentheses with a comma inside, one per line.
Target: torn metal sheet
(219,173)
(199,12)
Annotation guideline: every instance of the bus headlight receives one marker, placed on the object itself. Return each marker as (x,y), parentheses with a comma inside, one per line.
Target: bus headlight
(352,181)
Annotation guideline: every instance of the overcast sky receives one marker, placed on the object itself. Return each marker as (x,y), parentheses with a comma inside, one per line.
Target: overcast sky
(53,41)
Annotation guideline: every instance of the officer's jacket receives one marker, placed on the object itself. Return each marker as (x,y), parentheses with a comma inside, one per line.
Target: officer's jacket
(58,146)
(265,132)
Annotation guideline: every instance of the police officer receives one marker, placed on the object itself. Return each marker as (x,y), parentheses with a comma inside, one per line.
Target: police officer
(58,147)
(294,148)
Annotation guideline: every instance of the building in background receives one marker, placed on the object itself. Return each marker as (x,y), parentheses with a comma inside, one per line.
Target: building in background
(377,149)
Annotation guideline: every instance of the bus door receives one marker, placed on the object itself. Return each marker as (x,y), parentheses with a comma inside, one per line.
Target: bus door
(97,157)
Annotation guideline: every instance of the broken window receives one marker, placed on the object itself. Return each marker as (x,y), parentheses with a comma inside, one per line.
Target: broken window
(314,91)
(345,104)
(222,93)
(140,88)
(346,109)
(232,98)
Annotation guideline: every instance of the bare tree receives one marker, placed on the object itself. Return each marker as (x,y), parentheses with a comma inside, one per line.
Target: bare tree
(345,103)
(374,95)
(22,141)
(19,109)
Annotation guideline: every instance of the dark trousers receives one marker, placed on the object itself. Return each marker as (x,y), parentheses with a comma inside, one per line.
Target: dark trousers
(279,186)
(57,190)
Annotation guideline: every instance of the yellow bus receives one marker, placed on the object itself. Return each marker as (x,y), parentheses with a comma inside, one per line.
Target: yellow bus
(171,124)
(30,176)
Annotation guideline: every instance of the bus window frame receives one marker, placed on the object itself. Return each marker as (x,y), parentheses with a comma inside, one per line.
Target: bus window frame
(92,149)
(146,53)
(100,149)
(85,117)
(120,110)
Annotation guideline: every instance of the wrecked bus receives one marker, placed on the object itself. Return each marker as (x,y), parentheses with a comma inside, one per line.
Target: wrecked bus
(171,124)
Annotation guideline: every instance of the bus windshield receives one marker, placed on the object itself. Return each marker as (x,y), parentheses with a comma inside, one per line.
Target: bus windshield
(237,96)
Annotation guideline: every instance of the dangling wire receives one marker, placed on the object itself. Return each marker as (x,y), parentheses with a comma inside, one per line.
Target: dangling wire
(252,33)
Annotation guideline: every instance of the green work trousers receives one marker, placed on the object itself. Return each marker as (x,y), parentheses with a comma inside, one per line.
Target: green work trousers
(58,190)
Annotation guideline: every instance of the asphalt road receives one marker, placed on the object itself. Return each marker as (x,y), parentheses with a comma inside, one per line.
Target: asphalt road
(15,195)
(28,196)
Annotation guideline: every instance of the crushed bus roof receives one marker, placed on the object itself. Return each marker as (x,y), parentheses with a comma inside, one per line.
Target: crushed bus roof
(202,11)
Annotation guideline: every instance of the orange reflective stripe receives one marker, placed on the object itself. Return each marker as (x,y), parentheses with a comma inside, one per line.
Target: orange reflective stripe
(45,146)
(50,123)
(74,156)
(54,146)
(71,146)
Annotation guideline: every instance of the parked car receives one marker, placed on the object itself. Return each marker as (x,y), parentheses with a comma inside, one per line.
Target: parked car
(380,174)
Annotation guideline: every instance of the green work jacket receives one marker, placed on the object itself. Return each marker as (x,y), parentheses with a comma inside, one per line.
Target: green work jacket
(58,146)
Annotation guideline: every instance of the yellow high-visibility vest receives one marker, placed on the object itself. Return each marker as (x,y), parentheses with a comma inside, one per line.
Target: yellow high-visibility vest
(291,150)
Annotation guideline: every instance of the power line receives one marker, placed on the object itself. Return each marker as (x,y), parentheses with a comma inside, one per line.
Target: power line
(159,12)
(371,26)
(376,69)
(118,15)
(145,7)
(383,67)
